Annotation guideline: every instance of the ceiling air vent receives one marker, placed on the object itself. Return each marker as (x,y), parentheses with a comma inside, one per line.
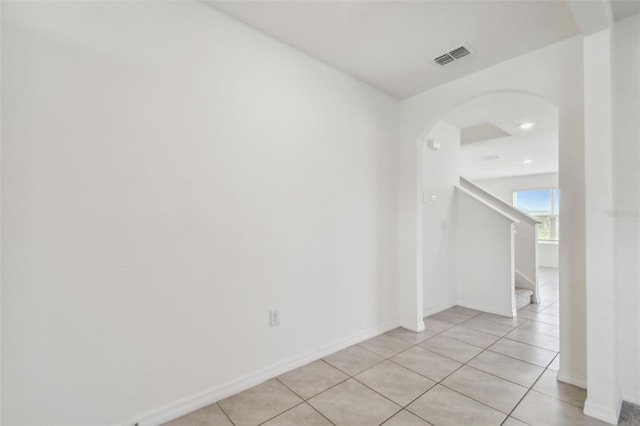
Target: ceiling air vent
(453,55)
(491,157)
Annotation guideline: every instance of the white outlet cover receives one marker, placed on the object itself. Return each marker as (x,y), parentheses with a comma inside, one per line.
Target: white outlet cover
(274,317)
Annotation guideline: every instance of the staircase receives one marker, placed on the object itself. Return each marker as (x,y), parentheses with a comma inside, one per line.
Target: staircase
(523,297)
(499,246)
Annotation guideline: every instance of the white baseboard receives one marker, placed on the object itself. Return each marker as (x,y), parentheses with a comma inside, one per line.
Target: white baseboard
(572,379)
(214,394)
(606,414)
(413,327)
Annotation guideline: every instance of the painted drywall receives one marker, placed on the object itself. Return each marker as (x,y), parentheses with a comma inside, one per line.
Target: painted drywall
(625,212)
(440,175)
(554,73)
(603,398)
(484,282)
(548,252)
(524,239)
(168,176)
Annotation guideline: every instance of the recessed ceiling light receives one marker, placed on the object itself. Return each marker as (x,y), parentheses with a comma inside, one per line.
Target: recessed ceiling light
(527,125)
(527,161)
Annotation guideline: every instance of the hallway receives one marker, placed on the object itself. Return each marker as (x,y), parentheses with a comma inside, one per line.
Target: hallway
(467,367)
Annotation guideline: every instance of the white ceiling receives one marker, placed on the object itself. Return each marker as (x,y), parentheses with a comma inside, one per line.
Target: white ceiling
(624,8)
(507,111)
(390,44)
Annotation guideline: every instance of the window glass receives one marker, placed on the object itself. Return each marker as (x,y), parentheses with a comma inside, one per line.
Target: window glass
(544,206)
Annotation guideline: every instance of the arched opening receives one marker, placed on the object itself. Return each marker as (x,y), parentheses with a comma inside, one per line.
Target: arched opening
(505,147)
(512,169)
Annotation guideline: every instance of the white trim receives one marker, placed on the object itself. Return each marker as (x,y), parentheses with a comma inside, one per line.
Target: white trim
(485,203)
(417,328)
(199,400)
(572,379)
(606,414)
(466,184)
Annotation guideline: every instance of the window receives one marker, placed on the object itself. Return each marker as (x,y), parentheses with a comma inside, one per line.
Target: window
(544,206)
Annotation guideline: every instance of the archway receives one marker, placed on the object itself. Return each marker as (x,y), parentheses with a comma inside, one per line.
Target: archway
(482,140)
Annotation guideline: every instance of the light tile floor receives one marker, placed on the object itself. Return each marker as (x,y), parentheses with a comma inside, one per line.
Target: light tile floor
(467,368)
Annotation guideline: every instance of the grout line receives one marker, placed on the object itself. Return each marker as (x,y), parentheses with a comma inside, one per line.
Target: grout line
(225,413)
(518,359)
(436,383)
(466,364)
(535,346)
(318,411)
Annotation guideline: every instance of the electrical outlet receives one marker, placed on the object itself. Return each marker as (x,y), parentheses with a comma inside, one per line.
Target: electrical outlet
(274,317)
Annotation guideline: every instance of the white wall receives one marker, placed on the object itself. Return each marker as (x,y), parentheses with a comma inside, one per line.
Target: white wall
(484,282)
(554,73)
(626,202)
(440,175)
(168,176)
(603,399)
(548,252)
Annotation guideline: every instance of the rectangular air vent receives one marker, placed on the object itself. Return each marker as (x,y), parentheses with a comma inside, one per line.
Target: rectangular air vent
(453,55)
(491,157)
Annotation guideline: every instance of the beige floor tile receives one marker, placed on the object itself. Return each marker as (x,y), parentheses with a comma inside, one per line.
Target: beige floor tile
(548,385)
(546,318)
(534,307)
(473,337)
(486,388)
(553,310)
(395,382)
(525,314)
(405,418)
(352,404)
(444,407)
(541,327)
(533,354)
(537,409)
(313,378)
(385,345)
(451,348)
(353,359)
(520,372)
(555,365)
(513,422)
(209,415)
(258,404)
(486,326)
(514,322)
(299,415)
(451,317)
(464,311)
(544,341)
(411,336)
(429,364)
(437,326)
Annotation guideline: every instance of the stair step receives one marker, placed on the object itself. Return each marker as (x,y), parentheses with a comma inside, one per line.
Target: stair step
(523,297)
